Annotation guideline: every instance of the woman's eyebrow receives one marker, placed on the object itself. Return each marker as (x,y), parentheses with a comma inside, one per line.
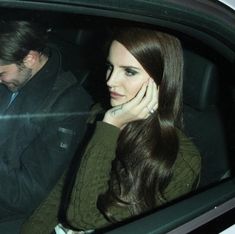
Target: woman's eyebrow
(123,66)
(132,67)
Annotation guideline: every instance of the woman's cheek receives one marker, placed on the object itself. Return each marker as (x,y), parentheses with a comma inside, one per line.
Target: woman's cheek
(134,91)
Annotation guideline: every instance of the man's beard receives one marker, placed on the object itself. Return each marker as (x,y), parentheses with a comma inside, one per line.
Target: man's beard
(25,76)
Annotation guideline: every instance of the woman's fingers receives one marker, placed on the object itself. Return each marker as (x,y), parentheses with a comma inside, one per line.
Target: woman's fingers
(154,101)
(151,95)
(140,107)
(149,103)
(139,97)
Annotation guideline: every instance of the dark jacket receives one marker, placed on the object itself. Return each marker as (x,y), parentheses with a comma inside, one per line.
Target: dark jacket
(39,134)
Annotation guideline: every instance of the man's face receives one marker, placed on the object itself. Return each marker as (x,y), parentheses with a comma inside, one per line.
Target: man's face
(14,76)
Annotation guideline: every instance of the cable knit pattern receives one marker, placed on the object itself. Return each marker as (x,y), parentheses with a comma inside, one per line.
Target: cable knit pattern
(92,179)
(44,218)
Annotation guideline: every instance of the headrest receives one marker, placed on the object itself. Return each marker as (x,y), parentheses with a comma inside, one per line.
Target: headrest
(200,81)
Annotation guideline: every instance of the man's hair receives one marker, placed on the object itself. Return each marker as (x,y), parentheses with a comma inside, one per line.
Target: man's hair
(17,38)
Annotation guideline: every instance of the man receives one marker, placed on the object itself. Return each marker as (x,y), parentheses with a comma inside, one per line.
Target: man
(43,113)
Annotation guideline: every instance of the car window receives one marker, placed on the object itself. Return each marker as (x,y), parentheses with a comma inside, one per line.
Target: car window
(208,95)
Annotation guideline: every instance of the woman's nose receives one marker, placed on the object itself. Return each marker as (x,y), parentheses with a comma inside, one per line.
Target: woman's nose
(112,79)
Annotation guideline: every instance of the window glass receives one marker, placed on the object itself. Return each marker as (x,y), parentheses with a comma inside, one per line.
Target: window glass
(45,122)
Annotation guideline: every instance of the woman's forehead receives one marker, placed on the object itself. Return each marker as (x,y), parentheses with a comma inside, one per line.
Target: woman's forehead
(118,54)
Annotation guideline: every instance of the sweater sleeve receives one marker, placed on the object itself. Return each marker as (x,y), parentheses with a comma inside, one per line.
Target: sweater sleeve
(92,180)
(44,218)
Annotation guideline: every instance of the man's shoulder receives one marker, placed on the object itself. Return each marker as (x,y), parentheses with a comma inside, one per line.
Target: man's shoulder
(68,83)
(66,79)
(67,94)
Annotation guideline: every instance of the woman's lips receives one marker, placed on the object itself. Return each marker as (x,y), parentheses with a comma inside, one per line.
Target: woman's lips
(115,95)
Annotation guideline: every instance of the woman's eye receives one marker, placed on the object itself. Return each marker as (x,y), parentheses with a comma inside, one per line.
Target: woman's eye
(109,67)
(130,72)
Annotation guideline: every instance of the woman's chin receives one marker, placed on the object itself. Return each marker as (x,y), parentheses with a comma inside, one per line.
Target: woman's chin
(114,102)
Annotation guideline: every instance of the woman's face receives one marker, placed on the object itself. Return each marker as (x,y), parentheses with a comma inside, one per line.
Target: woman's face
(125,75)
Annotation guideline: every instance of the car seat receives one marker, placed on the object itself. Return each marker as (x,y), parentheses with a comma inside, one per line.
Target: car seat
(202,118)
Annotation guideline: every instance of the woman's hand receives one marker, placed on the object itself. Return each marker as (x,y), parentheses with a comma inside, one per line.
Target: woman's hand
(140,107)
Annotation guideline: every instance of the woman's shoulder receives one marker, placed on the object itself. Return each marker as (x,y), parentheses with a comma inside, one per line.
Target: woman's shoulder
(187,167)
(186,146)
(188,154)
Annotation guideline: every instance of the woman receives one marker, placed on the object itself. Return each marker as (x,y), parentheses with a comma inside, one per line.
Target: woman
(138,158)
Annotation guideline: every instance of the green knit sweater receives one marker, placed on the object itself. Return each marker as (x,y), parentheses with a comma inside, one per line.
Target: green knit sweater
(92,180)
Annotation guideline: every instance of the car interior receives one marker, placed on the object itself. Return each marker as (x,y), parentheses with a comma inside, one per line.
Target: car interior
(209,102)
(206,74)
(208,117)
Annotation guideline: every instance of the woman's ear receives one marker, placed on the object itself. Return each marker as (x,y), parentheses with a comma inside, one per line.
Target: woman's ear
(31,59)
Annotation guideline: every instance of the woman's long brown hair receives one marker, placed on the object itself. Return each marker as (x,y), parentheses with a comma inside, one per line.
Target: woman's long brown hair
(147,149)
